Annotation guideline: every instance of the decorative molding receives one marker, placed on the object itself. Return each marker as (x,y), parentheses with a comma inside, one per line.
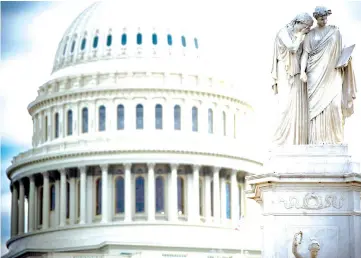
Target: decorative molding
(313,201)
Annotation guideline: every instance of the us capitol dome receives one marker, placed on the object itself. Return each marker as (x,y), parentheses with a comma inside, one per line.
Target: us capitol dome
(138,149)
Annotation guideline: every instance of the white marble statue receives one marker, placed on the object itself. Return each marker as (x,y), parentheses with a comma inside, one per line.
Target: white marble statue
(331,90)
(313,248)
(292,106)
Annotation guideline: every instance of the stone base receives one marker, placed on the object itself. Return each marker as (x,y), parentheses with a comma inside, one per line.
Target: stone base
(314,190)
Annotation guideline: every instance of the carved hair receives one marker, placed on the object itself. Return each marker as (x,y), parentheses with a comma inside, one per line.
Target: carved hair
(301,18)
(321,11)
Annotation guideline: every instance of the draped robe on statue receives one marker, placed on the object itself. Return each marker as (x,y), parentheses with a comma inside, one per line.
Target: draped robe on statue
(330,91)
(291,111)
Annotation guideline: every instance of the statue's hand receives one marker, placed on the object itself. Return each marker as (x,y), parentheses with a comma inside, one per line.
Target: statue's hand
(303,77)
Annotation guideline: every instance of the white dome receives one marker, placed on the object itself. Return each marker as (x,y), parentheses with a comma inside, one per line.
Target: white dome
(106,32)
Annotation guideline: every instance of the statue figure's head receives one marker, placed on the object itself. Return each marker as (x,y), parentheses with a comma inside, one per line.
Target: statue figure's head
(314,248)
(321,13)
(301,21)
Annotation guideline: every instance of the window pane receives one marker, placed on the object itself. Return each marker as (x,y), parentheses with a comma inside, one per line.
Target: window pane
(184,41)
(139,115)
(201,198)
(158,117)
(56,125)
(210,121)
(212,200)
(41,206)
(109,40)
(52,198)
(119,203)
(169,39)
(180,187)
(83,43)
(85,120)
(72,46)
(139,195)
(120,117)
(196,42)
(139,38)
(98,204)
(228,200)
(154,39)
(124,39)
(101,118)
(194,119)
(67,199)
(159,191)
(177,117)
(70,122)
(95,42)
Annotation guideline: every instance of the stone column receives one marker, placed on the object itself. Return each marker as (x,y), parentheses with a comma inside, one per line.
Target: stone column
(72,208)
(195,210)
(92,113)
(172,194)
(14,211)
(208,198)
(234,198)
(57,202)
(46,196)
(151,192)
(31,208)
(216,195)
(82,195)
(189,202)
(62,197)
(48,126)
(105,206)
(128,193)
(21,207)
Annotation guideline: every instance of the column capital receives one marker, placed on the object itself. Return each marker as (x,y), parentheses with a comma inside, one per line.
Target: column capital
(174,166)
(45,174)
(31,178)
(151,165)
(82,169)
(127,166)
(196,166)
(234,172)
(216,169)
(62,170)
(104,167)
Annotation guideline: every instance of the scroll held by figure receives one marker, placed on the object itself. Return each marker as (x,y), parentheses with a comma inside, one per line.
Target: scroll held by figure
(331,90)
(291,92)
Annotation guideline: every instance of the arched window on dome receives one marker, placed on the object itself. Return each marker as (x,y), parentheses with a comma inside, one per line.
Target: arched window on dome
(212,199)
(119,195)
(95,41)
(46,128)
(139,195)
(154,39)
(159,194)
(102,118)
(177,117)
(210,120)
(64,49)
(201,197)
(83,44)
(72,46)
(224,120)
(139,38)
(67,200)
(196,43)
(158,116)
(181,195)
(40,207)
(56,127)
(52,197)
(124,39)
(70,122)
(98,196)
(169,40)
(139,116)
(84,120)
(120,117)
(195,119)
(228,200)
(184,43)
(109,40)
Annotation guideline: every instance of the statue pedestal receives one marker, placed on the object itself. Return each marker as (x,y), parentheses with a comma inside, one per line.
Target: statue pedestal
(314,190)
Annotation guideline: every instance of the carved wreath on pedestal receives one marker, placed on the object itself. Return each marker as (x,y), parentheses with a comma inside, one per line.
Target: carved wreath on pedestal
(313,201)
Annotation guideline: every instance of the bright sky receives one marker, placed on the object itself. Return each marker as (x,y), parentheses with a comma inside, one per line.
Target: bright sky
(237,38)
